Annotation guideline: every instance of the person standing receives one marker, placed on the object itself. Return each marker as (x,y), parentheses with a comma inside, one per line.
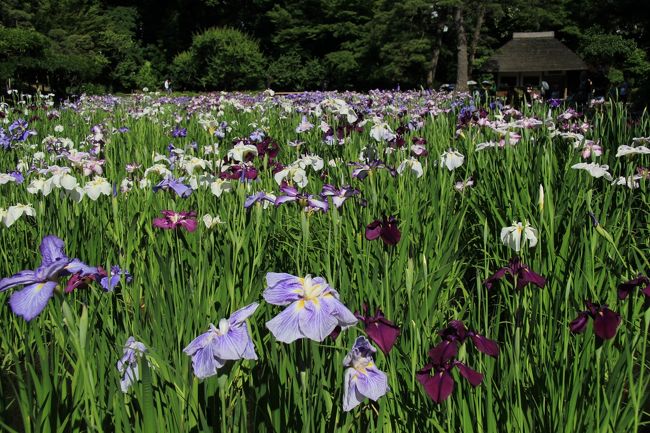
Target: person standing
(168,86)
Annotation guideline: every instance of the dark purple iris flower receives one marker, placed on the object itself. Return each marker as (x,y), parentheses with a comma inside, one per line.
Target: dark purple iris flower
(438,382)
(311,201)
(173,220)
(606,321)
(454,335)
(339,195)
(624,289)
(241,172)
(386,229)
(516,271)
(380,330)
(364,169)
(40,283)
(176,185)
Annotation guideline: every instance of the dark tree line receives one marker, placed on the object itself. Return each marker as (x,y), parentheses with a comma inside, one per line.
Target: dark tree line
(122,45)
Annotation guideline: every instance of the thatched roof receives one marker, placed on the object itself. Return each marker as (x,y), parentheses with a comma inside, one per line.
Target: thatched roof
(533,52)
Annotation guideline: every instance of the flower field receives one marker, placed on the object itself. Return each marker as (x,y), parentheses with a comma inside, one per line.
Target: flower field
(323,262)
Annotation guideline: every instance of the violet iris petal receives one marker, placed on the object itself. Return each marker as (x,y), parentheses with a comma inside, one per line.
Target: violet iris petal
(127,366)
(519,270)
(624,289)
(229,341)
(439,386)
(31,300)
(606,321)
(474,377)
(380,330)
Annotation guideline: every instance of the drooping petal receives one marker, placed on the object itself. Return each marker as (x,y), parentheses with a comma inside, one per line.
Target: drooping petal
(351,395)
(31,300)
(285,326)
(390,234)
(490,282)
(199,342)
(21,278)
(373,230)
(373,384)
(485,345)
(162,223)
(345,318)
(624,289)
(204,363)
(606,323)
(189,224)
(474,377)
(316,320)
(579,324)
(282,289)
(383,333)
(76,266)
(439,386)
(527,276)
(232,345)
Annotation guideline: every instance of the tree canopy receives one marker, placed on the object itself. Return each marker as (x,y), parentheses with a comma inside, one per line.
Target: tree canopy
(122,45)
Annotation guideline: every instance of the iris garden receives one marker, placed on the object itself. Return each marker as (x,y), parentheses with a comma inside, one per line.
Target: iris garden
(323,262)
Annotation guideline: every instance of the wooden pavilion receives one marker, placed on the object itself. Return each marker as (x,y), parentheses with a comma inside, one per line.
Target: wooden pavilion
(530,58)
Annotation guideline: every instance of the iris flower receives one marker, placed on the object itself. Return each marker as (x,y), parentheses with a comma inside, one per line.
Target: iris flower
(313,311)
(511,236)
(315,202)
(173,220)
(128,364)
(516,271)
(40,283)
(624,289)
(380,330)
(606,321)
(339,195)
(438,382)
(228,341)
(175,185)
(362,377)
(386,229)
(261,198)
(455,334)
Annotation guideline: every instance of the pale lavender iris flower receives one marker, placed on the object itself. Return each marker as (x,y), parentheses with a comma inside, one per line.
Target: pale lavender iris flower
(128,364)
(313,311)
(228,341)
(362,377)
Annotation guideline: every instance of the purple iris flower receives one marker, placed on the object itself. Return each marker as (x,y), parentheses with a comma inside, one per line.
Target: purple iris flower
(179,132)
(438,382)
(339,195)
(362,377)
(624,289)
(241,172)
(257,135)
(40,283)
(363,170)
(19,130)
(175,185)
(313,202)
(606,321)
(173,220)
(454,335)
(380,330)
(258,197)
(227,341)
(313,311)
(110,282)
(128,364)
(386,229)
(516,271)
(18,176)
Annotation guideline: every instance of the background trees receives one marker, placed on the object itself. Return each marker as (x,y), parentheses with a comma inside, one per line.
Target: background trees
(122,45)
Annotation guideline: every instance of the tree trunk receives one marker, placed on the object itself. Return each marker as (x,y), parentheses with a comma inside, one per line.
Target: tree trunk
(431,76)
(475,38)
(461,57)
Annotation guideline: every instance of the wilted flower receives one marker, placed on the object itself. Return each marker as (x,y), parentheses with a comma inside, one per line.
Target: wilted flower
(211,221)
(362,377)
(452,159)
(380,330)
(516,271)
(40,283)
(313,311)
(386,229)
(174,220)
(641,281)
(606,321)
(228,341)
(462,185)
(127,366)
(511,236)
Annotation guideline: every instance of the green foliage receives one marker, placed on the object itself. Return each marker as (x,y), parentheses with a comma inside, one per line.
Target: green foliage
(147,77)
(223,58)
(22,53)
(291,72)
